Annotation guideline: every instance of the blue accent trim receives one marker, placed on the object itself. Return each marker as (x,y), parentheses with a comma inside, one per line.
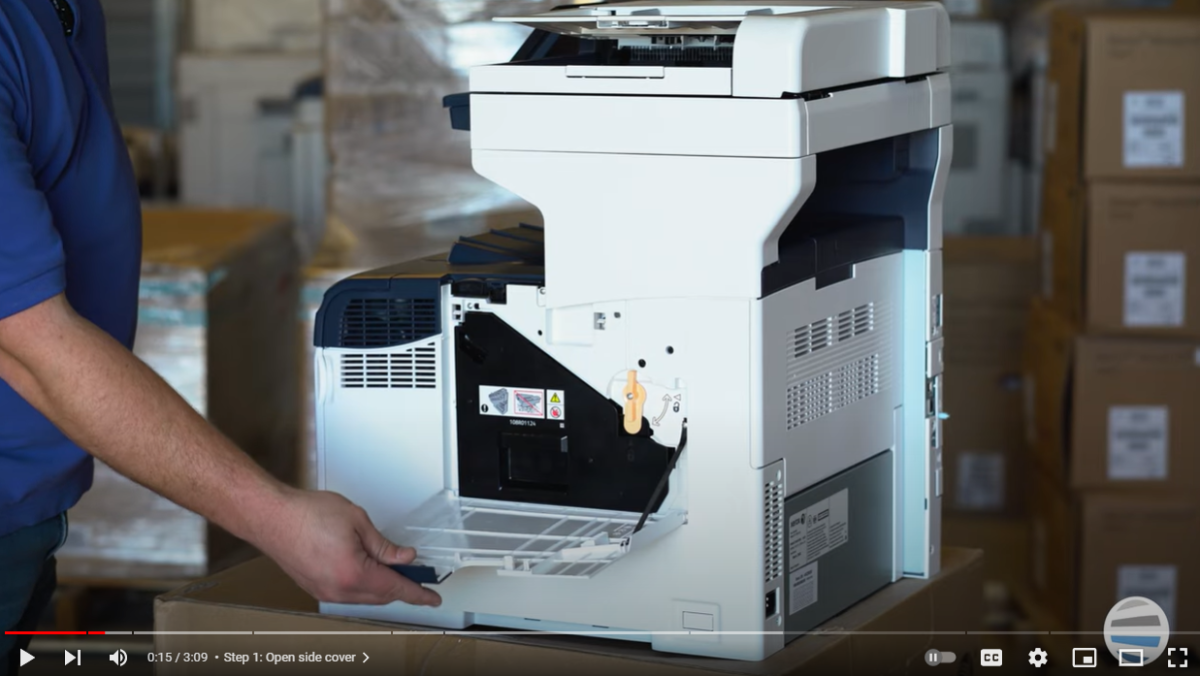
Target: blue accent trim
(460,111)
(1137,641)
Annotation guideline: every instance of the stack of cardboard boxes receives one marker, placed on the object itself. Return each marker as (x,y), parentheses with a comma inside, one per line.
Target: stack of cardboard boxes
(1113,355)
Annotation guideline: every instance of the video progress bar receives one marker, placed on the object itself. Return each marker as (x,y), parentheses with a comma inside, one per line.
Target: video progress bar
(598,633)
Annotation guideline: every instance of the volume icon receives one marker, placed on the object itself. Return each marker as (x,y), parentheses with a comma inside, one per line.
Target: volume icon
(119,658)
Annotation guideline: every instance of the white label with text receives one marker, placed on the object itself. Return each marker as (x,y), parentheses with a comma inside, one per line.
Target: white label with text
(803,586)
(1155,286)
(818,530)
(1154,130)
(1137,443)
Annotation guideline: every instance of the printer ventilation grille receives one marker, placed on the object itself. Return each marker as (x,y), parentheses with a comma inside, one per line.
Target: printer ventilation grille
(773,520)
(369,323)
(411,369)
(846,381)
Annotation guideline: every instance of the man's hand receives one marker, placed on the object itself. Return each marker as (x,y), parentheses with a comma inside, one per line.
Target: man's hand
(115,407)
(331,549)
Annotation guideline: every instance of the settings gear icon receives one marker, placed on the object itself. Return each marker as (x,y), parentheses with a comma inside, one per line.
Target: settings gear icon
(1038,657)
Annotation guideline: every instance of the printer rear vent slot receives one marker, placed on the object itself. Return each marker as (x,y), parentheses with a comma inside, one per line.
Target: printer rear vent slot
(413,369)
(773,520)
(831,331)
(368,323)
(856,322)
(809,339)
(827,393)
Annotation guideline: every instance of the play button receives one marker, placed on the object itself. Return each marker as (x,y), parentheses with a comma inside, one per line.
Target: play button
(26,658)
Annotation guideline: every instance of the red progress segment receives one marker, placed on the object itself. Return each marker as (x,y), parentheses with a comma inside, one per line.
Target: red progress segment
(53,633)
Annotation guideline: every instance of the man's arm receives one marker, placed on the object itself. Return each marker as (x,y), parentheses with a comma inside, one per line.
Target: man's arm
(111,404)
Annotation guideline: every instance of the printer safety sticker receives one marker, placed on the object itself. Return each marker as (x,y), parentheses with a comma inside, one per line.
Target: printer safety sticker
(818,530)
(512,402)
(1153,129)
(803,590)
(1137,443)
(1154,288)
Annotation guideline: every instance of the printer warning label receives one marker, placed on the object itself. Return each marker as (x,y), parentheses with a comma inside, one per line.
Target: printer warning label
(512,402)
(818,530)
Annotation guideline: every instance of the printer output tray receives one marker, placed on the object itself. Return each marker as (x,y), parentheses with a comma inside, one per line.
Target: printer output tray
(451,533)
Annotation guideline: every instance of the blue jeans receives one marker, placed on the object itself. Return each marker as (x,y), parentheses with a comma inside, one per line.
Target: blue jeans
(27,582)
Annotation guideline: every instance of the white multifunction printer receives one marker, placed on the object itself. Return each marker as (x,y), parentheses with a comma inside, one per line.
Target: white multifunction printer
(701,407)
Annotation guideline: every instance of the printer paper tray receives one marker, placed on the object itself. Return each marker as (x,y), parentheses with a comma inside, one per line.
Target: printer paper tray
(452,533)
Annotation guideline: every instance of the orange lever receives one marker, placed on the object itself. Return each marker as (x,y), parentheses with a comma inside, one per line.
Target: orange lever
(635,400)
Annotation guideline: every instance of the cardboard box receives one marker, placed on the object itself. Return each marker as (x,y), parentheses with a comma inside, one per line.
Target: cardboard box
(1123,87)
(1093,549)
(1114,412)
(1120,254)
(257,597)
(989,283)
(216,312)
(1150,232)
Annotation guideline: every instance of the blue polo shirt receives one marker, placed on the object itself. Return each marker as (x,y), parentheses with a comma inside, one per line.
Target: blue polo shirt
(70,222)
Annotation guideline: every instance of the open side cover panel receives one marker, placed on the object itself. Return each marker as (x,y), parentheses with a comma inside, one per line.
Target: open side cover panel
(451,533)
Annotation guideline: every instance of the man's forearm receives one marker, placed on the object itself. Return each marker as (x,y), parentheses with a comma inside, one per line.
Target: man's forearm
(110,403)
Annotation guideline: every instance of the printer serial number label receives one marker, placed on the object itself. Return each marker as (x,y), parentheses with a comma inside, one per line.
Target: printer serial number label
(818,530)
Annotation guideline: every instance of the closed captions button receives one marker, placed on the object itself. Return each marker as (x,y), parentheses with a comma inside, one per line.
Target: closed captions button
(993,657)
